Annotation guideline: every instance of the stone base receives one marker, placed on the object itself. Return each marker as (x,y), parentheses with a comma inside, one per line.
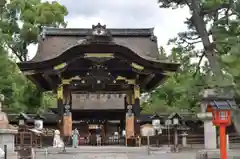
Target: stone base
(215,153)
(12,155)
(7,138)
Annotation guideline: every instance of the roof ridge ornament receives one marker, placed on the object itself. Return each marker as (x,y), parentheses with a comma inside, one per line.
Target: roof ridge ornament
(99,30)
(98,34)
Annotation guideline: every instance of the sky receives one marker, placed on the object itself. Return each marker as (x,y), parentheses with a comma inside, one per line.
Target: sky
(125,14)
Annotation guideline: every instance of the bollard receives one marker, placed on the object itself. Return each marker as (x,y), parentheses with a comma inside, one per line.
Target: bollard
(148,145)
(46,153)
(5,151)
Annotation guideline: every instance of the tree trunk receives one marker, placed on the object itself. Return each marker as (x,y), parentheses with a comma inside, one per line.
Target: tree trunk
(209,47)
(210,53)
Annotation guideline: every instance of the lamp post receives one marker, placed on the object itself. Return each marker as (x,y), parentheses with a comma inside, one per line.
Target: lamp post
(175,122)
(175,117)
(156,125)
(221,116)
(168,123)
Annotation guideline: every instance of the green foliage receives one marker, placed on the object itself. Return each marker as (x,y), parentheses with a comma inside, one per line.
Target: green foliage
(181,90)
(220,47)
(21,23)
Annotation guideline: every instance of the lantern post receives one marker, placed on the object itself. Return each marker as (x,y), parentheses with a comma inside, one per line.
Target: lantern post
(156,123)
(221,113)
(175,123)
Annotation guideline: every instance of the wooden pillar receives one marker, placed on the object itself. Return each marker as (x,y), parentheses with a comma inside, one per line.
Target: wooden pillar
(129,125)
(60,105)
(136,108)
(64,106)
(130,117)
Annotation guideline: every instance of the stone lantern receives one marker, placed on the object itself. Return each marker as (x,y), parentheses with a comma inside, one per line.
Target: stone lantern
(216,105)
(7,132)
(175,119)
(156,122)
(156,119)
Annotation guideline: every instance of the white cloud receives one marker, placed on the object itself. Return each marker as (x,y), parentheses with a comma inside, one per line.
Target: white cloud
(126,14)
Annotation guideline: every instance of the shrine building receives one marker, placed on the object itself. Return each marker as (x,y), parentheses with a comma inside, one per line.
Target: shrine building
(97,74)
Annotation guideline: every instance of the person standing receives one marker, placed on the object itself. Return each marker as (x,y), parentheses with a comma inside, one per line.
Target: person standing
(75,138)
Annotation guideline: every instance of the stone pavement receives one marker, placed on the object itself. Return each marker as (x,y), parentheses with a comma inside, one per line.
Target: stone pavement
(109,152)
(119,156)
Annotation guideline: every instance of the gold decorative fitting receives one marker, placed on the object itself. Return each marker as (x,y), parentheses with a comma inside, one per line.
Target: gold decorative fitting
(121,78)
(137,66)
(60,66)
(99,55)
(129,98)
(136,91)
(76,78)
(66,81)
(60,92)
(129,81)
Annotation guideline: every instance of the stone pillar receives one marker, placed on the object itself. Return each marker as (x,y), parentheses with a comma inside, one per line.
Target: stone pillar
(227,141)
(184,139)
(175,139)
(210,135)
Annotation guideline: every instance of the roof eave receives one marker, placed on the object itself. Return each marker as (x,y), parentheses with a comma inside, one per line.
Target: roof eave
(85,31)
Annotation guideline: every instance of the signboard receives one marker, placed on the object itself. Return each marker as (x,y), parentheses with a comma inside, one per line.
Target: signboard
(97,101)
(94,126)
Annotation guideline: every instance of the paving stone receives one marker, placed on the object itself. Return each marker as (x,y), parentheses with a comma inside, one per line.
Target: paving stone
(120,153)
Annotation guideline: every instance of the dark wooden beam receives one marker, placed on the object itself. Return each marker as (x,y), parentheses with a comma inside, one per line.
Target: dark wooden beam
(91,88)
(156,81)
(52,83)
(37,82)
(147,80)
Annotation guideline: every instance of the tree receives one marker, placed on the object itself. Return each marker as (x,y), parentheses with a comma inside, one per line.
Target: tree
(21,23)
(203,14)
(180,91)
(210,23)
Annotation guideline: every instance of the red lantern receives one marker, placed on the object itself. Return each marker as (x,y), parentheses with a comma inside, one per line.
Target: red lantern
(221,116)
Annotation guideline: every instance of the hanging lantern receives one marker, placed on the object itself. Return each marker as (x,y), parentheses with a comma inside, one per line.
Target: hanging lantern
(156,121)
(38,122)
(21,120)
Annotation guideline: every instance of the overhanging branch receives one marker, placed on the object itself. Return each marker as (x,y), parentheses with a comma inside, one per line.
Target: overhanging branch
(198,65)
